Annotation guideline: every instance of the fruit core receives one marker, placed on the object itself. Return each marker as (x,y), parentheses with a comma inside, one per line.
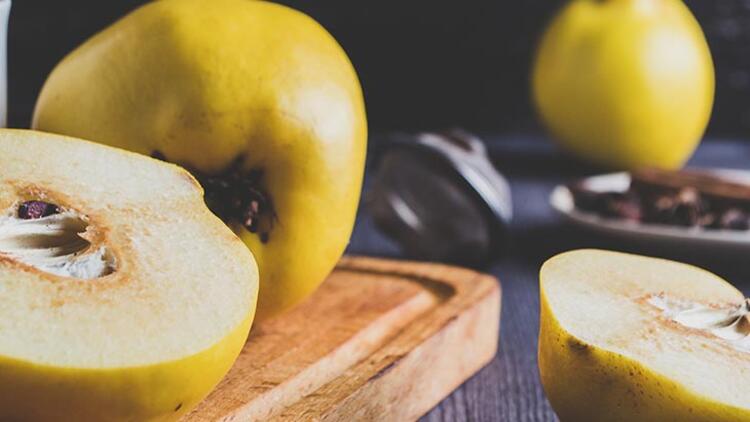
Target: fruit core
(730,323)
(237,196)
(52,239)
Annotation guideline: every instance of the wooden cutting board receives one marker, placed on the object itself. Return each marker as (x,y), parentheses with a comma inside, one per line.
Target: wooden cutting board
(380,340)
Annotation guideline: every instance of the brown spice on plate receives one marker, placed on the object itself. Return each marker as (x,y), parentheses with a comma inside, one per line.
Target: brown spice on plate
(682,198)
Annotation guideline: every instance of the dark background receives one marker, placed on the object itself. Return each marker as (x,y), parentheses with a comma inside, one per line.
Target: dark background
(423,64)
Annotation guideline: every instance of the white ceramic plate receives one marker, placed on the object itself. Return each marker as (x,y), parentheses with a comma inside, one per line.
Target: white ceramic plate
(561,200)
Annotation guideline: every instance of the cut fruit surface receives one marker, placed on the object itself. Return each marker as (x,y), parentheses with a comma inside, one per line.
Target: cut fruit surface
(129,302)
(626,337)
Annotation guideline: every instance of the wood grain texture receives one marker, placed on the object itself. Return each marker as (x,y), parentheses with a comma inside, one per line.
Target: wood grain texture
(380,340)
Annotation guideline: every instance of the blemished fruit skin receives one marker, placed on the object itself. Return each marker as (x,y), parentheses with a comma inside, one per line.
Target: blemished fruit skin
(625,83)
(206,83)
(586,382)
(32,392)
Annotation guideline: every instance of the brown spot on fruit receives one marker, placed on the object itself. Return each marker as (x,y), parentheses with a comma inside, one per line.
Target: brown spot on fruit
(578,347)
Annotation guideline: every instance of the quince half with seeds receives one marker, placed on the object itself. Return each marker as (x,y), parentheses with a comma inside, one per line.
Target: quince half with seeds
(122,297)
(631,338)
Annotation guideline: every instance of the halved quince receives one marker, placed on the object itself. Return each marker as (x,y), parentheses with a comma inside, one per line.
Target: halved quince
(122,297)
(631,338)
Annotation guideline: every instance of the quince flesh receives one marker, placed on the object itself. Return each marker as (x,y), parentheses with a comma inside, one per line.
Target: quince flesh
(631,338)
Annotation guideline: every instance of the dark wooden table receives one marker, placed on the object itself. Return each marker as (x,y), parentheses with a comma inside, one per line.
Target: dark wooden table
(508,389)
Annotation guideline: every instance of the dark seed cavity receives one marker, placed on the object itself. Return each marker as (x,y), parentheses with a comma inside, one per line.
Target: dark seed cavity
(31,210)
(237,196)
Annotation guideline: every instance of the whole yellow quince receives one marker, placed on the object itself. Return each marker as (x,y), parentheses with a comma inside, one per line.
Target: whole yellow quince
(256,99)
(625,83)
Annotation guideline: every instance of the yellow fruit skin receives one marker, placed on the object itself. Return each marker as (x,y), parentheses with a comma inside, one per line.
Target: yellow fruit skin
(163,392)
(206,82)
(625,83)
(586,383)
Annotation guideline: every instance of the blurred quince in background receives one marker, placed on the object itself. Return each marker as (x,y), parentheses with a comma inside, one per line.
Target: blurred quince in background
(625,83)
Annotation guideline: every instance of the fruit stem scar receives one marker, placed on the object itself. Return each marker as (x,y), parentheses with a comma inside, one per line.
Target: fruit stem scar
(731,323)
(237,196)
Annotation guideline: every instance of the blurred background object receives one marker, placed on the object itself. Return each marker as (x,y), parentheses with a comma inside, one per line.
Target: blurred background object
(439,196)
(450,64)
(4,14)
